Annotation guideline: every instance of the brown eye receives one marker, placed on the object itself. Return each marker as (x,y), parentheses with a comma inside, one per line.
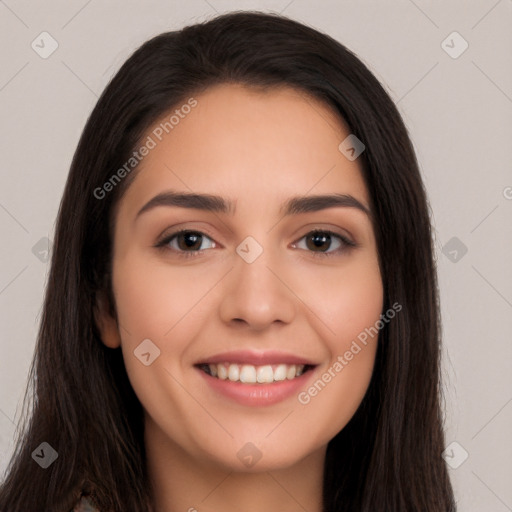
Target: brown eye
(186,241)
(189,240)
(321,242)
(318,241)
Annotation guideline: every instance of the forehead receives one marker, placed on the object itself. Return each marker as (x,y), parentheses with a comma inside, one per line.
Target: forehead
(256,147)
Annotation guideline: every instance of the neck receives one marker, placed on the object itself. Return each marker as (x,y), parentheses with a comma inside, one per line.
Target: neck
(181,483)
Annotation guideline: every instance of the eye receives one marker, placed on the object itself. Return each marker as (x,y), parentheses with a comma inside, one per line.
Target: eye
(186,242)
(317,240)
(189,243)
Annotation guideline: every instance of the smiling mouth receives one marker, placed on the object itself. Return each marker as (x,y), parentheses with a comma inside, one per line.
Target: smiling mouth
(250,374)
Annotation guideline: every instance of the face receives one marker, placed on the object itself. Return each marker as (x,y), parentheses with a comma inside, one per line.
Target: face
(258,291)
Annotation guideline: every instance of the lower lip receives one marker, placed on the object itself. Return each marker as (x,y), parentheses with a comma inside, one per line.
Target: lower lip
(257,395)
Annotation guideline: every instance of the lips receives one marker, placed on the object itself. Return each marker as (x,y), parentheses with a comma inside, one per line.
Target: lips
(257,358)
(252,367)
(261,393)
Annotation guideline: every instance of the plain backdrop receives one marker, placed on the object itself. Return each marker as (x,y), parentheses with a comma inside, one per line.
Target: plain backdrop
(455,101)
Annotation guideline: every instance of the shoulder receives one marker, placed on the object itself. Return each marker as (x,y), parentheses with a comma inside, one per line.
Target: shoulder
(84,505)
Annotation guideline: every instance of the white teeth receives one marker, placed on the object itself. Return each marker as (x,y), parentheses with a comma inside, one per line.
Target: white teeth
(265,374)
(222,372)
(234,372)
(250,374)
(280,372)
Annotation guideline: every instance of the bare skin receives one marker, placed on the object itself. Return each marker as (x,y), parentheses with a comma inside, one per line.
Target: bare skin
(258,149)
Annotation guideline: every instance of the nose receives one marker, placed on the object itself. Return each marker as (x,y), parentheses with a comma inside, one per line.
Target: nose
(257,295)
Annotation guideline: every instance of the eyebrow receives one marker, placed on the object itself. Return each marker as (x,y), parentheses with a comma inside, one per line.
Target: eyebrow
(212,203)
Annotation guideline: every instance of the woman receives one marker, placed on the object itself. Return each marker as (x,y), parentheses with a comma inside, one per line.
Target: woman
(256,371)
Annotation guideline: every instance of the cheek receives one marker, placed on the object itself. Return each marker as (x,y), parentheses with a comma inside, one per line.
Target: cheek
(162,303)
(358,302)
(155,303)
(151,297)
(350,303)
(345,299)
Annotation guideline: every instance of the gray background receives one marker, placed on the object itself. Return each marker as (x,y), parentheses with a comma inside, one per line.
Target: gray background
(458,111)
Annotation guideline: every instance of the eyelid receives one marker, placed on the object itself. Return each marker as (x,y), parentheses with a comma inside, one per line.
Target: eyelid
(164,240)
(346,242)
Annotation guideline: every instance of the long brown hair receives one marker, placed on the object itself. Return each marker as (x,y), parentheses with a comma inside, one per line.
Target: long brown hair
(388,457)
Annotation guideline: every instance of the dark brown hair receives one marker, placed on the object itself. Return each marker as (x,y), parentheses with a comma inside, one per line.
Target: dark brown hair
(388,457)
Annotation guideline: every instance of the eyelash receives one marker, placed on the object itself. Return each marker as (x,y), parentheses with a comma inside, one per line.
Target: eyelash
(346,243)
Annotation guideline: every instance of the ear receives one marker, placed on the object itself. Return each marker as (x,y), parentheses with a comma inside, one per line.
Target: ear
(105,322)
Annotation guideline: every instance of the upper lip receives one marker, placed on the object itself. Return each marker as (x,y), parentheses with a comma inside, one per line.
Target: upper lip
(256,358)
